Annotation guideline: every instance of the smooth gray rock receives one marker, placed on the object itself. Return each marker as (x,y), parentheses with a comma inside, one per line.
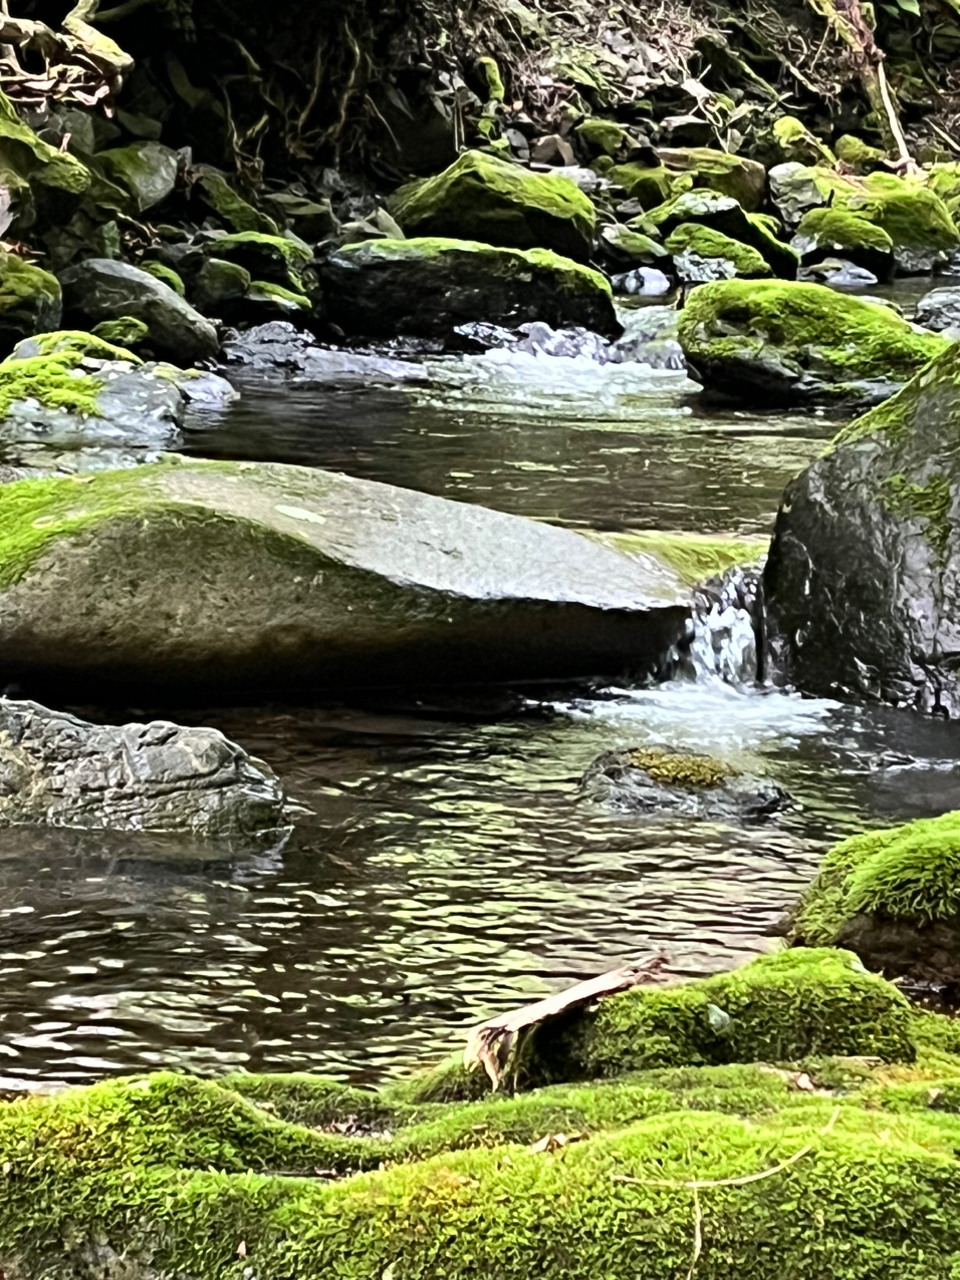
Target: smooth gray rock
(105,289)
(59,771)
(258,576)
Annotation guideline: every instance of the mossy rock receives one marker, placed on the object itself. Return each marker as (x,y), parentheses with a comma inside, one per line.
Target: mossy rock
(43,167)
(859,155)
(147,170)
(489,200)
(168,1176)
(701,254)
(893,896)
(125,331)
(772,342)
(160,271)
(729,175)
(795,142)
(75,342)
(696,557)
(822,233)
(219,285)
(867,553)
(631,247)
(30,300)
(649,184)
(723,214)
(273,298)
(275,259)
(231,208)
(604,137)
(290,577)
(427,287)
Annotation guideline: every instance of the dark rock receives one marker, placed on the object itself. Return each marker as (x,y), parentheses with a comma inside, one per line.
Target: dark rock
(58,771)
(102,289)
(427,287)
(275,347)
(148,170)
(225,576)
(863,579)
(665,780)
(940,309)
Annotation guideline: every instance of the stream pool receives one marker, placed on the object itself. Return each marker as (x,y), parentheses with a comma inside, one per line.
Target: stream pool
(447,868)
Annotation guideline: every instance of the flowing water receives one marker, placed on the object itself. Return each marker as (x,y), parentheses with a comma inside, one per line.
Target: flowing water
(447,867)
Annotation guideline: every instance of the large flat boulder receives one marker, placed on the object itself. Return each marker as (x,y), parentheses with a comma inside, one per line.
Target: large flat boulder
(59,771)
(427,287)
(783,343)
(481,197)
(262,577)
(863,578)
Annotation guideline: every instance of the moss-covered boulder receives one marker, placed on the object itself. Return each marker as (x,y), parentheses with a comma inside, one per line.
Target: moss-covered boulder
(167,1177)
(893,897)
(604,138)
(426,287)
(238,214)
(863,579)
(219,285)
(276,259)
(860,156)
(224,576)
(30,300)
(103,289)
(147,170)
(649,185)
(724,215)
(481,197)
(785,343)
(701,254)
(797,144)
(657,779)
(626,247)
(729,175)
(824,233)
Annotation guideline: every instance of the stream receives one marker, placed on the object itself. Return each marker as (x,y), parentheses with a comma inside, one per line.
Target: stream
(447,868)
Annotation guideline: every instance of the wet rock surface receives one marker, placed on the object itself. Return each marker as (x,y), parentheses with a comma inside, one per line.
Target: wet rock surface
(659,780)
(59,771)
(862,579)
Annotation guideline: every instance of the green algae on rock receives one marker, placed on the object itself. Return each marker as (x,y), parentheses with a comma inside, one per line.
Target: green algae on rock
(125,331)
(34,161)
(786,343)
(824,232)
(277,259)
(275,298)
(237,213)
(604,137)
(486,199)
(290,577)
(893,897)
(702,254)
(724,215)
(729,175)
(30,300)
(427,287)
(862,578)
(650,184)
(696,557)
(160,271)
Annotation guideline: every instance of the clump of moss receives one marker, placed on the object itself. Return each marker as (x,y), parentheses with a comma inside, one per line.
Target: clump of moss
(902,873)
(859,155)
(160,271)
(694,557)
(481,197)
(797,143)
(276,259)
(650,184)
(55,382)
(690,238)
(844,231)
(73,342)
(720,171)
(604,137)
(914,216)
(237,213)
(285,300)
(937,383)
(680,769)
(496,91)
(929,502)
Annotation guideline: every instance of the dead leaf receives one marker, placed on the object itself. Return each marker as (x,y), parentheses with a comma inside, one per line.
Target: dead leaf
(242,1249)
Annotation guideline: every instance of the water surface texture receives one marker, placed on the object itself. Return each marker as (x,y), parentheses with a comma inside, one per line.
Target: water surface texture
(447,867)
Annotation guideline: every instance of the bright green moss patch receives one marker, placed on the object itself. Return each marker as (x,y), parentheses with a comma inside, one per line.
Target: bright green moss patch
(604,137)
(55,382)
(912,215)
(929,502)
(903,873)
(676,769)
(285,299)
(125,332)
(842,229)
(695,557)
(859,155)
(74,342)
(160,271)
(704,242)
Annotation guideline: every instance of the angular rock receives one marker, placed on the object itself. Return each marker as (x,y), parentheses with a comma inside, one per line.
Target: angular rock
(863,579)
(148,170)
(724,215)
(666,780)
(772,342)
(59,771)
(102,289)
(426,288)
(276,259)
(940,309)
(275,348)
(823,233)
(495,202)
(218,284)
(226,576)
(30,300)
(237,213)
(642,282)
(648,184)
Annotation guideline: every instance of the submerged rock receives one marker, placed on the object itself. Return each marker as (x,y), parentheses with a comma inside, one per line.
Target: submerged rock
(104,289)
(863,578)
(483,198)
(59,771)
(667,780)
(426,288)
(261,576)
(893,897)
(772,342)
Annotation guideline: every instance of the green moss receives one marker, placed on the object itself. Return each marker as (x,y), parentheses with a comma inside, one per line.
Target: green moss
(912,215)
(127,331)
(929,502)
(22,281)
(694,557)
(689,237)
(23,152)
(604,137)
(679,769)
(906,873)
(56,382)
(484,198)
(272,258)
(491,73)
(651,185)
(719,171)
(632,246)
(797,143)
(843,230)
(859,155)
(936,383)
(284,299)
(724,215)
(76,342)
(236,212)
(160,271)
(808,324)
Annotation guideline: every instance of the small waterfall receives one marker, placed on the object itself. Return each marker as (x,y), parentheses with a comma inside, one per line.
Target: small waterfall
(727,629)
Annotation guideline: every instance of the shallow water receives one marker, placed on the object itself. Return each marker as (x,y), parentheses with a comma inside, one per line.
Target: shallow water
(448,868)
